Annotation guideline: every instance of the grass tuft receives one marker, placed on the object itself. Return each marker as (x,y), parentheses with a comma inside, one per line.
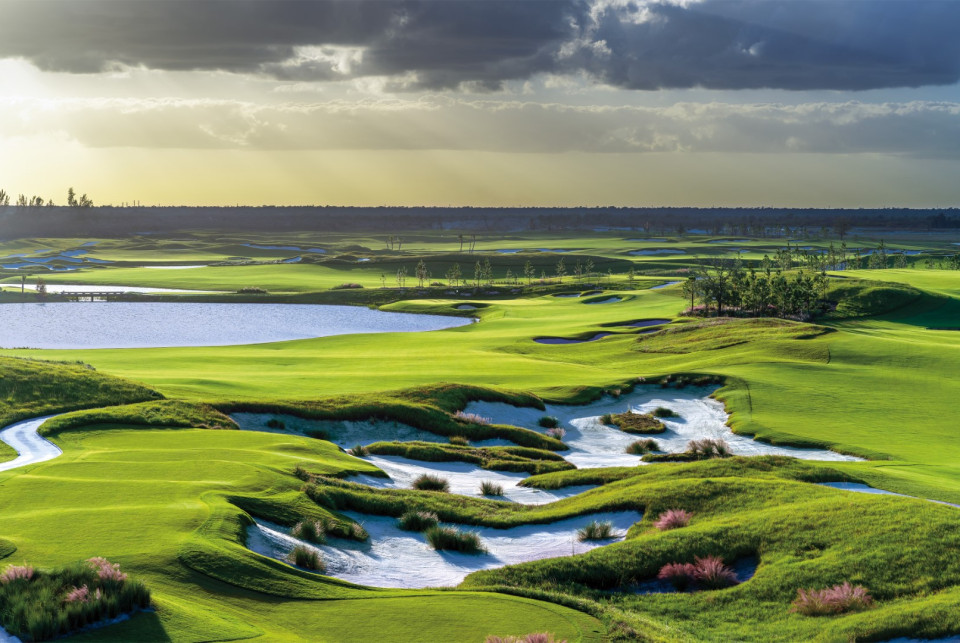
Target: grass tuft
(418,520)
(640,447)
(359,451)
(833,600)
(596,530)
(673,519)
(472,418)
(557,433)
(548,422)
(536,637)
(452,539)
(664,412)
(311,531)
(308,558)
(430,482)
(488,488)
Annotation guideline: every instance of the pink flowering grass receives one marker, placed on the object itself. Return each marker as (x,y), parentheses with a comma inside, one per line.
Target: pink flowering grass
(471,417)
(106,570)
(536,637)
(832,600)
(16,572)
(680,575)
(712,573)
(557,433)
(78,595)
(673,519)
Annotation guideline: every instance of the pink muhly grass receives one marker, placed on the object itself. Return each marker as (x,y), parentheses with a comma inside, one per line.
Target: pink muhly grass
(556,433)
(78,595)
(536,637)
(471,417)
(832,600)
(680,575)
(673,519)
(107,570)
(16,572)
(713,574)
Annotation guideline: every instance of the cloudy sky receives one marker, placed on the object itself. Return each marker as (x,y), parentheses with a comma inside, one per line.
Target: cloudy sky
(483,102)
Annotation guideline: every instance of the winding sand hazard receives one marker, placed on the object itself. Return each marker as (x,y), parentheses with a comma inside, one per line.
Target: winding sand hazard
(30,447)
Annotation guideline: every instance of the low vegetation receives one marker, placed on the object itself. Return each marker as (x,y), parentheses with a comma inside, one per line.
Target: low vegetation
(430,482)
(833,600)
(595,530)
(452,539)
(488,488)
(308,558)
(536,637)
(703,449)
(40,605)
(631,422)
(673,519)
(664,412)
(640,447)
(418,520)
(515,459)
(312,531)
(548,422)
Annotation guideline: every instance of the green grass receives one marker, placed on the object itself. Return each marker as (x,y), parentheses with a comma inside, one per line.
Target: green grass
(516,459)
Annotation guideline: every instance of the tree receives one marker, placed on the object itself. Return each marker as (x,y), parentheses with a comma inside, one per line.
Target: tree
(454,274)
(4,198)
(71,198)
(588,268)
(460,239)
(561,270)
(401,276)
(578,271)
(478,272)
(529,272)
(487,271)
(509,276)
(383,280)
(422,273)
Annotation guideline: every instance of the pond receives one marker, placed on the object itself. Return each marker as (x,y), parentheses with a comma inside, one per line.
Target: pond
(149,324)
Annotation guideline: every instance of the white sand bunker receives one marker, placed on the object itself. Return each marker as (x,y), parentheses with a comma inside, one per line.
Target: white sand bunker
(396,558)
(30,447)
(593,444)
(464,479)
(343,433)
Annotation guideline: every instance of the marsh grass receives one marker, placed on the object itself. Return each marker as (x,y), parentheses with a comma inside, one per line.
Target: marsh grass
(452,539)
(431,482)
(312,531)
(595,530)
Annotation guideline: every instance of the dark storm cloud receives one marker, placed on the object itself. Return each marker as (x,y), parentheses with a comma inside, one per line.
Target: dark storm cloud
(645,44)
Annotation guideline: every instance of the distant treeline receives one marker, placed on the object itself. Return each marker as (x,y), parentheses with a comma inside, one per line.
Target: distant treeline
(21,221)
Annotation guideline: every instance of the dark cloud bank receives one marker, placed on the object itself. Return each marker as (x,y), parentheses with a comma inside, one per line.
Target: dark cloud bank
(438,44)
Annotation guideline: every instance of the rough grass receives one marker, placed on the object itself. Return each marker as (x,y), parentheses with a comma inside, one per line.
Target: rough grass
(430,482)
(488,488)
(417,520)
(640,447)
(307,558)
(631,422)
(516,459)
(595,530)
(161,413)
(452,539)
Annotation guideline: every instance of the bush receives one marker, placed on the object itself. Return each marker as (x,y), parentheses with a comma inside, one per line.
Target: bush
(317,434)
(15,573)
(548,422)
(664,412)
(640,447)
(346,286)
(312,531)
(680,575)
(430,482)
(557,433)
(308,558)
(359,451)
(453,539)
(833,600)
(472,418)
(488,488)
(418,520)
(252,290)
(595,531)
(274,423)
(459,441)
(711,573)
(673,519)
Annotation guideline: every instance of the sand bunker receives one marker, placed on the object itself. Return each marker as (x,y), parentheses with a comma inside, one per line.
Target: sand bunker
(396,558)
(30,447)
(567,340)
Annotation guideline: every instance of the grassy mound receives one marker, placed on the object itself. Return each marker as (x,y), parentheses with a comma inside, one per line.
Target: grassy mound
(725,332)
(161,413)
(630,422)
(863,298)
(517,459)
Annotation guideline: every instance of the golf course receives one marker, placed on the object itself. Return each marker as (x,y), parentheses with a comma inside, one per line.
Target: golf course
(599,435)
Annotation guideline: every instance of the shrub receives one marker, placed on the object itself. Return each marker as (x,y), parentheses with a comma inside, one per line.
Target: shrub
(317,434)
(606,418)
(640,447)
(664,412)
(673,519)
(453,539)
(301,472)
(680,575)
(310,530)
(418,520)
(359,451)
(596,530)
(274,423)
(357,532)
(307,558)
(548,422)
(708,448)
(557,433)
(712,573)
(459,441)
(833,600)
(346,286)
(473,418)
(488,488)
(15,573)
(430,482)
(252,290)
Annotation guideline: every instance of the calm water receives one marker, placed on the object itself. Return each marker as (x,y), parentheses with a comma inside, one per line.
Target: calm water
(142,325)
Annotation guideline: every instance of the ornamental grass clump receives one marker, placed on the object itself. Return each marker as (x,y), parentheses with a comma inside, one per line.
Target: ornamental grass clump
(548,422)
(673,519)
(459,440)
(430,482)
(832,600)
(536,637)
(311,531)
(643,446)
(664,412)
(452,539)
(680,575)
(708,448)
(489,488)
(596,530)
(557,433)
(15,573)
(359,451)
(418,520)
(473,418)
(308,558)
(712,573)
